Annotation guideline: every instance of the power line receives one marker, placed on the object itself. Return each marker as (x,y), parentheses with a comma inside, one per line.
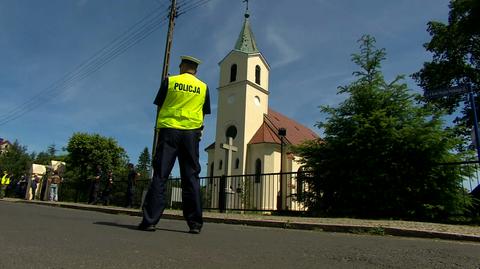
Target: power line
(186,7)
(113,49)
(162,4)
(94,62)
(116,47)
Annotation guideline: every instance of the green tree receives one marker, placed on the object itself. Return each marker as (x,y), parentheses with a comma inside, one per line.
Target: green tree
(45,157)
(16,160)
(456,57)
(144,164)
(86,151)
(52,150)
(380,153)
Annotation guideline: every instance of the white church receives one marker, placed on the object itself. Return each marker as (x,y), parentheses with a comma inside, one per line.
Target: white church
(251,138)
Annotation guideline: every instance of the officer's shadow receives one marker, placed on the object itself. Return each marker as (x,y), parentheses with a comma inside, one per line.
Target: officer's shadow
(133,227)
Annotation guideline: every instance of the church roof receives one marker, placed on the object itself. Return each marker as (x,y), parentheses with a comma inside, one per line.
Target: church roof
(246,40)
(268,131)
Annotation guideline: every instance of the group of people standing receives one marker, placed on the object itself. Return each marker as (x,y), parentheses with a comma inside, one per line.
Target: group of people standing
(99,195)
(48,185)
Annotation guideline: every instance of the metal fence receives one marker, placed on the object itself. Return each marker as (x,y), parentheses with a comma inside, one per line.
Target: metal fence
(257,192)
(473,180)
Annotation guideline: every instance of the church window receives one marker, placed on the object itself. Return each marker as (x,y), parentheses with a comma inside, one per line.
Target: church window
(237,163)
(233,73)
(257,74)
(231,132)
(220,164)
(258,170)
(256,100)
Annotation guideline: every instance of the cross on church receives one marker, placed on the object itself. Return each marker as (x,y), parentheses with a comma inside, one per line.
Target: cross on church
(246,1)
(230,148)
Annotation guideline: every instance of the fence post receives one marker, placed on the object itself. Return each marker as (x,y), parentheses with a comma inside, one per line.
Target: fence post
(222,196)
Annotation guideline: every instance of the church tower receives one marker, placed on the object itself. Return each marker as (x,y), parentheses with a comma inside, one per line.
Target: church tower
(252,141)
(242,104)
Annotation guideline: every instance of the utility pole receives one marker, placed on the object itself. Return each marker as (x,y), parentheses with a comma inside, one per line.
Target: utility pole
(166,61)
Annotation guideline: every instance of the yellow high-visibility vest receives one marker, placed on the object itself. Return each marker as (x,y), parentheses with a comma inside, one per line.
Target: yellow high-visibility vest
(5,180)
(183,105)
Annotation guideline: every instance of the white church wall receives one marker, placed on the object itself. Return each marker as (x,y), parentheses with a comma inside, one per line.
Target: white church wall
(264,190)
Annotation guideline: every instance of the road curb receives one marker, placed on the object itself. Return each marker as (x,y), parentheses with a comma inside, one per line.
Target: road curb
(336,228)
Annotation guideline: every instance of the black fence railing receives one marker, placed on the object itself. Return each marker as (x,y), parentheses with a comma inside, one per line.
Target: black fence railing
(80,192)
(254,192)
(472,168)
(257,192)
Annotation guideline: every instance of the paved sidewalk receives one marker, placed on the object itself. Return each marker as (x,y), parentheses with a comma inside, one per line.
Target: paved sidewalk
(380,227)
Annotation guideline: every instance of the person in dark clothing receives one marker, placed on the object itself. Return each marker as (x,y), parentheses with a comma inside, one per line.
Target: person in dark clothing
(20,187)
(35,181)
(183,101)
(131,184)
(107,192)
(95,186)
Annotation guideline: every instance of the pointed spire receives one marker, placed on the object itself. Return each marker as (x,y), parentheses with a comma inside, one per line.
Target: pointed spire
(246,40)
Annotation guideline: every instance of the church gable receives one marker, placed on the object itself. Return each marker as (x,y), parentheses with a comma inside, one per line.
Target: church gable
(264,134)
(273,121)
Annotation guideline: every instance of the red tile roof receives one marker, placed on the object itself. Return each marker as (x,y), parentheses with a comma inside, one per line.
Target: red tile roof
(268,131)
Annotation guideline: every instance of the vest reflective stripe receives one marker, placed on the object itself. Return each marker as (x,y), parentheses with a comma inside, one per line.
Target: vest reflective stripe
(5,180)
(183,105)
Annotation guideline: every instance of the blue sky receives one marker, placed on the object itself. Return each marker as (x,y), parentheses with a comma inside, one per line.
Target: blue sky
(308,44)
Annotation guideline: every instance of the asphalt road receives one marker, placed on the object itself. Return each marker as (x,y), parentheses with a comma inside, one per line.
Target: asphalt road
(34,236)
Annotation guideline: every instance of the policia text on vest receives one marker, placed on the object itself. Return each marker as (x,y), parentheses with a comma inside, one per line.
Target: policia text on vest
(186,88)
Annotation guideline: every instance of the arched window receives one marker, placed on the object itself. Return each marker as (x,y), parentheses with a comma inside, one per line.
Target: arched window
(220,164)
(257,74)
(233,73)
(258,170)
(237,163)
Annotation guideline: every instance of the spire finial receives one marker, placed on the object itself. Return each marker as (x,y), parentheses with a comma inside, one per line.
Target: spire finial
(246,10)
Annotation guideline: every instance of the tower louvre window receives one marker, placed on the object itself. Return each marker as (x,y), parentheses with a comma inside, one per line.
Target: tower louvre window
(233,73)
(257,74)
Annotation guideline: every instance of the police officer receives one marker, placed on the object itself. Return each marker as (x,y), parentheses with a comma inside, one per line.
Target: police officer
(5,181)
(183,101)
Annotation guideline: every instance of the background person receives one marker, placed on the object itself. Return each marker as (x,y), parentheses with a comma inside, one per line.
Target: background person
(107,192)
(4,182)
(131,184)
(95,186)
(55,182)
(34,185)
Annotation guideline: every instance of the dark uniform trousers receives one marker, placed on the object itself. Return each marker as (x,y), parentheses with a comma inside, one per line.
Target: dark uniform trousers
(173,143)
